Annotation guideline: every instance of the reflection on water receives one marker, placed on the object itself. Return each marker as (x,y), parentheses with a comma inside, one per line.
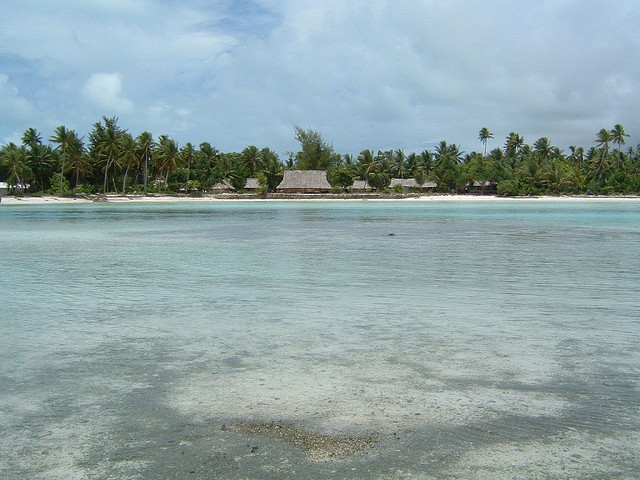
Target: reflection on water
(481,341)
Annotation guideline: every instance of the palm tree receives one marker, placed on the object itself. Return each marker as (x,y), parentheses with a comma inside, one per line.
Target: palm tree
(602,140)
(366,163)
(31,138)
(145,145)
(618,134)
(63,137)
(576,156)
(399,164)
(167,157)
(105,140)
(426,160)
(78,160)
(14,159)
(514,144)
(39,158)
(273,168)
(252,161)
(187,155)
(543,147)
(484,135)
(129,156)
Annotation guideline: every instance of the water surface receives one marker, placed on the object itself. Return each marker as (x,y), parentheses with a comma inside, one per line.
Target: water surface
(481,340)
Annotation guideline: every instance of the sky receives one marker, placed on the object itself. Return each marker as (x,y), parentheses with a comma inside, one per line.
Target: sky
(402,74)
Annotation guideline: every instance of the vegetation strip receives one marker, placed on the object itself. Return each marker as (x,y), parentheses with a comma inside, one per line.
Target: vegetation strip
(113,161)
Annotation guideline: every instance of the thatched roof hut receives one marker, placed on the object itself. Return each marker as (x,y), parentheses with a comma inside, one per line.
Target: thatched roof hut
(252,184)
(409,184)
(482,187)
(360,186)
(223,187)
(304,181)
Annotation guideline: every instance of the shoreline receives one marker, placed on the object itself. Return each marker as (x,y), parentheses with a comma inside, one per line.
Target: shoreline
(52,200)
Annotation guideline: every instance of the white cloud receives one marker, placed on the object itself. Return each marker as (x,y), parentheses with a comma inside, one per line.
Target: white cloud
(11,102)
(367,74)
(104,91)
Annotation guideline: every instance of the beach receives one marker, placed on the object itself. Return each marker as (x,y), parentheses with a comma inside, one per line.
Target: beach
(52,200)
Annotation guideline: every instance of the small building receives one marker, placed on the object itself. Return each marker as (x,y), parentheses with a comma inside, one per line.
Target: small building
(304,181)
(428,186)
(361,186)
(482,187)
(4,189)
(407,184)
(223,187)
(252,185)
(411,185)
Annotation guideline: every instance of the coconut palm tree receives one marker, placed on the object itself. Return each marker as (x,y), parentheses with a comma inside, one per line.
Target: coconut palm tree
(31,138)
(167,155)
(251,160)
(484,135)
(617,135)
(426,160)
(78,160)
(187,154)
(514,144)
(543,147)
(105,140)
(602,140)
(63,137)
(273,168)
(128,157)
(399,164)
(366,163)
(40,158)
(14,159)
(145,147)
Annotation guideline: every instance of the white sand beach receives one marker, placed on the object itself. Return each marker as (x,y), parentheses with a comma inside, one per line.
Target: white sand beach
(43,200)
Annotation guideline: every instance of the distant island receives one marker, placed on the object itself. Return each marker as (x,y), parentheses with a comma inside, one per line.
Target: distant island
(112,161)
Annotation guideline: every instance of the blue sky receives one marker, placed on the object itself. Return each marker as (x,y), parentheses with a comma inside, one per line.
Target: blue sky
(366,74)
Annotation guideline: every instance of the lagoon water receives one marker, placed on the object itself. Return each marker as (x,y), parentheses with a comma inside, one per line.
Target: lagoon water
(484,340)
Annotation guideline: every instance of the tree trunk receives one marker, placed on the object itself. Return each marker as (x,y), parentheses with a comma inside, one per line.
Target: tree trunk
(62,170)
(146,161)
(188,173)
(106,169)
(124,180)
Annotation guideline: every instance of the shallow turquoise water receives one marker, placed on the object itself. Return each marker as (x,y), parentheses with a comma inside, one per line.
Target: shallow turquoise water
(505,332)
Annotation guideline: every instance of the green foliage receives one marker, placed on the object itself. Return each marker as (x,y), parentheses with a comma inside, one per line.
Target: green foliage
(315,153)
(397,188)
(55,186)
(112,160)
(263,181)
(509,188)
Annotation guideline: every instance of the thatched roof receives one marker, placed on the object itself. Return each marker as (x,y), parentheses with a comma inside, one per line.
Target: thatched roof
(361,185)
(412,183)
(405,182)
(305,180)
(223,185)
(479,184)
(252,184)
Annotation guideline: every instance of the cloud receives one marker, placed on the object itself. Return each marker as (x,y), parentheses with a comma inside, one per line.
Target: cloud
(104,91)
(367,74)
(15,110)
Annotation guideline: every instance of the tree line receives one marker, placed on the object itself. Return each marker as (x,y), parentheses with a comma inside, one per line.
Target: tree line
(111,160)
